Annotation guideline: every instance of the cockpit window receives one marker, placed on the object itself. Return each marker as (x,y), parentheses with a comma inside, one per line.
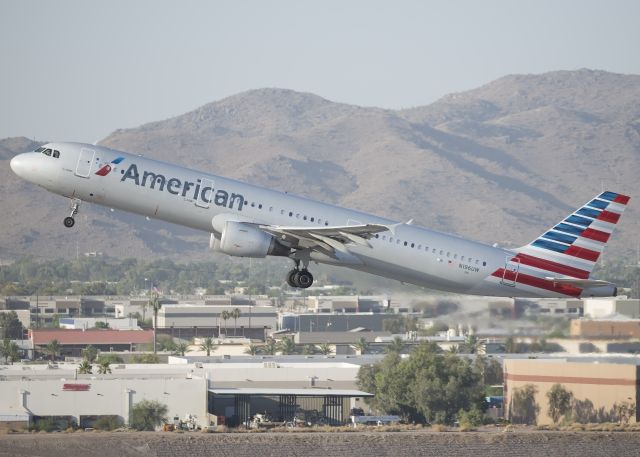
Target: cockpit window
(47,152)
(40,149)
(56,154)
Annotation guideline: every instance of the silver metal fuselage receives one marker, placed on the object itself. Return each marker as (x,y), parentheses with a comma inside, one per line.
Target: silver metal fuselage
(410,254)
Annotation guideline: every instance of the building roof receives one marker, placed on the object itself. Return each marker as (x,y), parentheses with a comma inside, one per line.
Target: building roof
(74,337)
(299,392)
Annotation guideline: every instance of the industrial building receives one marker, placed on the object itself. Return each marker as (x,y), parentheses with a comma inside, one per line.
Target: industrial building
(601,387)
(210,390)
(72,342)
(611,328)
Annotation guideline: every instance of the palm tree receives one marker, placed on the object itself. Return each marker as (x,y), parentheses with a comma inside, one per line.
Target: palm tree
(181,348)
(362,345)
(325,349)
(53,349)
(397,345)
(235,314)
(225,315)
(154,303)
(287,346)
(207,345)
(252,349)
(270,346)
(85,367)
(103,367)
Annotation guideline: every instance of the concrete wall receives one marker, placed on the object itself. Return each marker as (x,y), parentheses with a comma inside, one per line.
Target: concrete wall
(105,397)
(597,387)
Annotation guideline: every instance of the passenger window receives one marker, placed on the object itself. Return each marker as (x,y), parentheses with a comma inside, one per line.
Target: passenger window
(290,214)
(441,252)
(477,261)
(390,239)
(297,215)
(397,241)
(384,237)
(253,205)
(412,245)
(311,219)
(419,246)
(304,218)
(405,243)
(455,256)
(462,258)
(319,221)
(434,250)
(281,211)
(484,264)
(260,206)
(448,254)
(326,223)
(56,154)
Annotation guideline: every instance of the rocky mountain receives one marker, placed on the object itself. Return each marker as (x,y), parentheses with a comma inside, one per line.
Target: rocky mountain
(500,163)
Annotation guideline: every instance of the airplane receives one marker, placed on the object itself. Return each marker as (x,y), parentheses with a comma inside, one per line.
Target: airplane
(245,220)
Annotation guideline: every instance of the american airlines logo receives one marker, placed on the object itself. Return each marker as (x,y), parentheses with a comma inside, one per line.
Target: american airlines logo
(187,189)
(106,168)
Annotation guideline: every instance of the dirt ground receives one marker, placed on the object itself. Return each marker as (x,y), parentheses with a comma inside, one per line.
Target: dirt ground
(375,444)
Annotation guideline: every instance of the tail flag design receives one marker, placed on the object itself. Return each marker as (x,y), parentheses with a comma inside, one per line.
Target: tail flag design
(572,247)
(562,259)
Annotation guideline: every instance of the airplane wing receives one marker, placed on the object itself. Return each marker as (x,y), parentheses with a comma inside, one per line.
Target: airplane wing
(333,238)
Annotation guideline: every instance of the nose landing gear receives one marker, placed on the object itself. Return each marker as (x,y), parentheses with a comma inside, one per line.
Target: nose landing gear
(69,221)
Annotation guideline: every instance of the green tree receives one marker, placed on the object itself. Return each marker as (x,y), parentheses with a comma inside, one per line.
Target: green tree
(308,349)
(181,348)
(270,346)
(90,353)
(53,349)
(362,345)
(425,387)
(9,350)
(146,358)
(523,407)
(147,415)
(325,349)
(111,358)
(252,349)
(511,346)
(396,345)
(235,314)
(208,346)
(10,326)
(102,325)
(85,367)
(104,367)
(287,346)
(560,402)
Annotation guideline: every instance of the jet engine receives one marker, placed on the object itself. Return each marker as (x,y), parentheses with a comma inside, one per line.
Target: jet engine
(243,240)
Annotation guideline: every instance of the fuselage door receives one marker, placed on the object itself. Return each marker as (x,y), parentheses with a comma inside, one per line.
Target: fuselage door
(511,269)
(85,160)
(205,194)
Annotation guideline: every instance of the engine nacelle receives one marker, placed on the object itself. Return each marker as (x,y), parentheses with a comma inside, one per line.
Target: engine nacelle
(242,240)
(606,290)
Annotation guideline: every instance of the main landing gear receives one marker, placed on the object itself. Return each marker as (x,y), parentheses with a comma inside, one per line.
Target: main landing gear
(69,221)
(300,278)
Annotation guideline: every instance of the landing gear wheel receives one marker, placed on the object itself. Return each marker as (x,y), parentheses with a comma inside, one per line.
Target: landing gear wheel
(303,279)
(290,278)
(69,221)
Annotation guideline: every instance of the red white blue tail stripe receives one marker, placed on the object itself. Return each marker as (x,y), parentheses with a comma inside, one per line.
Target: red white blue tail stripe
(569,249)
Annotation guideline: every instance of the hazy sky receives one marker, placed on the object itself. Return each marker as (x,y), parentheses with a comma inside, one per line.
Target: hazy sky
(77,70)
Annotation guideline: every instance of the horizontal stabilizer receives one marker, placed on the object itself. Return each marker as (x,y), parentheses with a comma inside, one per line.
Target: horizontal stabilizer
(583,283)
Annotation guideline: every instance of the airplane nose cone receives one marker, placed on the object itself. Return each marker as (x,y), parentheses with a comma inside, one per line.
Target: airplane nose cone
(17,165)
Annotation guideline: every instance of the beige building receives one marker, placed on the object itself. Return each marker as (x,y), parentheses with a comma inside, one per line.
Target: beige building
(599,389)
(605,328)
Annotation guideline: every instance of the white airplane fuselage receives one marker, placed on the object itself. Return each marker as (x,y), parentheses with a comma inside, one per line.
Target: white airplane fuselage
(206,202)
